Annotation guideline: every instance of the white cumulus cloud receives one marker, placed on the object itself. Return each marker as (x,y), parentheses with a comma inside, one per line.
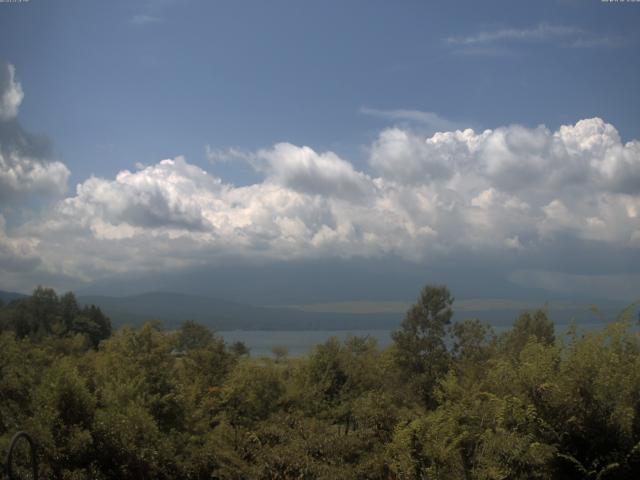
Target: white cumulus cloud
(304,170)
(512,189)
(26,166)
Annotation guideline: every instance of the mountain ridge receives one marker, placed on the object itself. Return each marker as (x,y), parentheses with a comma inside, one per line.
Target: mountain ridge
(172,309)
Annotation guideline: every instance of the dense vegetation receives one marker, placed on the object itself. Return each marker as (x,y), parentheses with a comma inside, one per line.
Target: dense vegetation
(445,401)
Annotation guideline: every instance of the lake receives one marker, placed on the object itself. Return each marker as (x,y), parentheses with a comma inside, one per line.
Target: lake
(300,342)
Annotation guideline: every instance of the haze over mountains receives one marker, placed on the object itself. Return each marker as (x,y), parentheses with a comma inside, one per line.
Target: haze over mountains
(173,308)
(222,315)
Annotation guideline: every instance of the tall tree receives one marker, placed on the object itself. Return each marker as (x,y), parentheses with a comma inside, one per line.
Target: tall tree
(420,349)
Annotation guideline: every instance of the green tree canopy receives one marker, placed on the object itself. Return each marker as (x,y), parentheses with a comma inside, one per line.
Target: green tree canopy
(420,348)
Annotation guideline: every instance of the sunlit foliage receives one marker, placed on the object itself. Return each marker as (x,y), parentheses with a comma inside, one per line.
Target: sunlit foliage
(445,401)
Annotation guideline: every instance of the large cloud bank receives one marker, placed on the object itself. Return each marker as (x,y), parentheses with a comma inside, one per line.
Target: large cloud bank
(511,188)
(510,191)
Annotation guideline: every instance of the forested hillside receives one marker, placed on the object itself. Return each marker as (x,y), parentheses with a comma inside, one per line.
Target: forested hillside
(448,400)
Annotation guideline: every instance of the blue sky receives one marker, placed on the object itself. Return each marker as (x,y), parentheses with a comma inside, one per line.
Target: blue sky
(111,91)
(122,85)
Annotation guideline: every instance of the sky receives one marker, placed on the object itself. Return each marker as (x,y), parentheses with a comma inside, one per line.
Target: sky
(303,152)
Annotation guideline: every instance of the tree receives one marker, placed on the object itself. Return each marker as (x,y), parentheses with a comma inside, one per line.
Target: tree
(91,322)
(43,306)
(239,349)
(472,340)
(63,420)
(250,394)
(473,344)
(36,316)
(420,349)
(69,309)
(44,314)
(194,335)
(536,325)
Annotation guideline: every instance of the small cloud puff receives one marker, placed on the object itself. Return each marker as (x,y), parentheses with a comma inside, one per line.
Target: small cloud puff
(11,94)
(144,19)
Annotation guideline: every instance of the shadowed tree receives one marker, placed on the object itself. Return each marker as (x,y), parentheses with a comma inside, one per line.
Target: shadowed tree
(420,349)
(536,325)
(194,335)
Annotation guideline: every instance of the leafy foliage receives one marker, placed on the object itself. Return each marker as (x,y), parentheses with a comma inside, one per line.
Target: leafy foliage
(445,401)
(421,352)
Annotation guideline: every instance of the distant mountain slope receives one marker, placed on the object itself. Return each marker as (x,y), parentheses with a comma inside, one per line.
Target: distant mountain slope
(6,297)
(174,308)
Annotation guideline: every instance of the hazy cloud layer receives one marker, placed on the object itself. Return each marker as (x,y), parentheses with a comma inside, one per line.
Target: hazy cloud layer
(26,166)
(488,42)
(615,286)
(541,32)
(431,121)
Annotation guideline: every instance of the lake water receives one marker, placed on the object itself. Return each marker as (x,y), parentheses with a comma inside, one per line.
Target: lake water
(300,342)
